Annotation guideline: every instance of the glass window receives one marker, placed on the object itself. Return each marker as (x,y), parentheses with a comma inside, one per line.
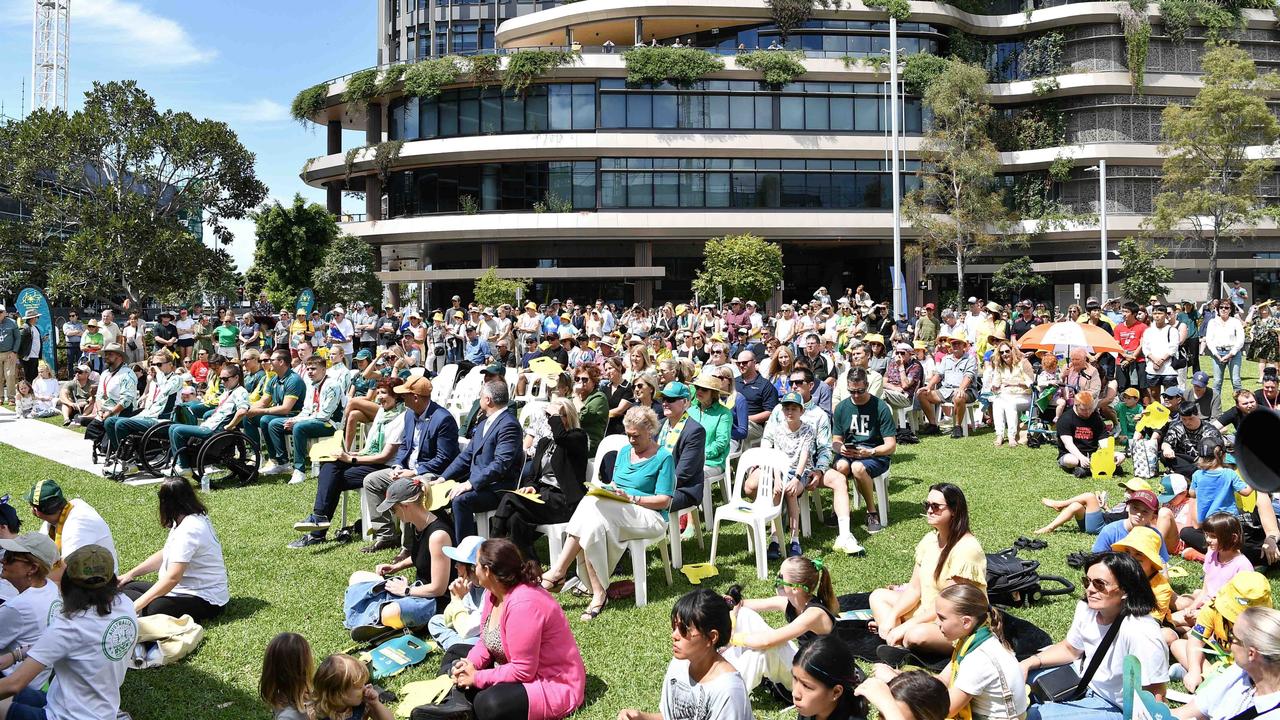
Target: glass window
(640,190)
(866,114)
(664,111)
(744,189)
(792,113)
(430,118)
(717,112)
(613,110)
(666,189)
(817,113)
(764,112)
(584,185)
(535,110)
(468,112)
(395,124)
(742,113)
(584,107)
(842,113)
(691,110)
(639,111)
(692,189)
(490,112)
(512,114)
(448,115)
(718,189)
(560,103)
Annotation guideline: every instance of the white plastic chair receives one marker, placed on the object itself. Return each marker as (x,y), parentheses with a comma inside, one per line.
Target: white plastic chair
(760,512)
(970,419)
(465,392)
(556,532)
(442,384)
(881,482)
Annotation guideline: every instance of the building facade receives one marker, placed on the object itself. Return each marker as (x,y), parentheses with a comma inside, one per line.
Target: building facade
(594,187)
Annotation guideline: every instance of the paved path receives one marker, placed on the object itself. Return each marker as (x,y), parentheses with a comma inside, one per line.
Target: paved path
(48,441)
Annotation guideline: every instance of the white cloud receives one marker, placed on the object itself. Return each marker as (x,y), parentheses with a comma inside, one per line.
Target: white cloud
(252,112)
(136,33)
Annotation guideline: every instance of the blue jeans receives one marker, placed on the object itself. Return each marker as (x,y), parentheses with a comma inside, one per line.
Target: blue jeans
(1220,371)
(466,505)
(445,635)
(362,605)
(28,704)
(179,435)
(303,430)
(118,428)
(1091,707)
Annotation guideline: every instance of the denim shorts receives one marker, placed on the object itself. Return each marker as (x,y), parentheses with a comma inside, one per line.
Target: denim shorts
(28,704)
(875,466)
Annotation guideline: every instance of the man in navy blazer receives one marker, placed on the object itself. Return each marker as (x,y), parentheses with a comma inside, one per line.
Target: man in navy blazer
(429,444)
(688,448)
(491,461)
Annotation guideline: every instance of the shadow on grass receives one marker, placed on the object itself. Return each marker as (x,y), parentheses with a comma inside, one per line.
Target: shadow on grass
(172,692)
(596,688)
(241,608)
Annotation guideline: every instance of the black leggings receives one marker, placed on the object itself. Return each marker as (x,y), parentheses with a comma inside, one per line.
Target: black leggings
(174,605)
(504,701)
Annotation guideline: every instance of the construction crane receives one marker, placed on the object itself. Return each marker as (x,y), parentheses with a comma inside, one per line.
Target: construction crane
(51,38)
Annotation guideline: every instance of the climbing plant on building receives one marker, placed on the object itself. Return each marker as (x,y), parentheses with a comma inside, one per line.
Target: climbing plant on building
(652,65)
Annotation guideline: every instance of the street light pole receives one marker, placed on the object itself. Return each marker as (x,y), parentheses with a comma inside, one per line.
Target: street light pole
(895,175)
(1102,218)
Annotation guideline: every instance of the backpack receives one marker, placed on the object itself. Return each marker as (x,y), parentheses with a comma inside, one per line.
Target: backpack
(1015,582)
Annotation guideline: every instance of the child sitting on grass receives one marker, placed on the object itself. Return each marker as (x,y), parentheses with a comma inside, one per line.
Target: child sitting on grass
(1143,544)
(1224,537)
(1213,489)
(342,691)
(285,685)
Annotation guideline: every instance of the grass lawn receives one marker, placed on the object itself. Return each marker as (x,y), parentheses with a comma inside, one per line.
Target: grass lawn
(626,649)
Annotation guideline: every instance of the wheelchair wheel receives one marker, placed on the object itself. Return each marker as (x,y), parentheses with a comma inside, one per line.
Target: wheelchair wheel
(152,448)
(231,452)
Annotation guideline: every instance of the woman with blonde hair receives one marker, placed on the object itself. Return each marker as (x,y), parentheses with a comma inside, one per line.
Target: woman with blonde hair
(781,363)
(737,404)
(644,389)
(45,389)
(1010,380)
(638,362)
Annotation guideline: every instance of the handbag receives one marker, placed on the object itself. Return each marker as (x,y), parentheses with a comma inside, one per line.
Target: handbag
(1062,684)
(454,706)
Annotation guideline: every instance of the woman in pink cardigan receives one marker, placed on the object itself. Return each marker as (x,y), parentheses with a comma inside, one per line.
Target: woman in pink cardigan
(529,667)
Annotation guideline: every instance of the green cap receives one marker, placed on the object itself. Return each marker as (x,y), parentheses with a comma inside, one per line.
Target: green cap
(46,495)
(91,566)
(364,355)
(495,369)
(793,398)
(675,391)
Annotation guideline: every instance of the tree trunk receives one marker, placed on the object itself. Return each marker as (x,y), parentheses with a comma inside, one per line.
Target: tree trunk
(960,281)
(1214,289)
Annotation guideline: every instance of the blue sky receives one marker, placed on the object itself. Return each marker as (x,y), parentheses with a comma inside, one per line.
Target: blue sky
(237,61)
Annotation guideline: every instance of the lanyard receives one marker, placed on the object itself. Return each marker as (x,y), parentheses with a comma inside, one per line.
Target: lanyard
(55,531)
(315,394)
(673,433)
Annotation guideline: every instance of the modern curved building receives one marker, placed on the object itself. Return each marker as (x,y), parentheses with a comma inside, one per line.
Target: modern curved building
(595,188)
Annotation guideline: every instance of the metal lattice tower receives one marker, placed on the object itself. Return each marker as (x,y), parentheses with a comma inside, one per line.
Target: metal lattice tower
(51,38)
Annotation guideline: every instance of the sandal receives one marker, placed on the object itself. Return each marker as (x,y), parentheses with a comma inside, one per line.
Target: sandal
(593,611)
(553,586)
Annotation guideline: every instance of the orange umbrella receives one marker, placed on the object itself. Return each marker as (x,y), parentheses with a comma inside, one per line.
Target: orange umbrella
(1061,337)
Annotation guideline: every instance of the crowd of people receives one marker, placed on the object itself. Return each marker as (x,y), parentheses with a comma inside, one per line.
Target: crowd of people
(606,426)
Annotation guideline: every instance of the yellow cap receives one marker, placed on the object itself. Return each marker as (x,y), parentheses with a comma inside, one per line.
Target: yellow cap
(1136,484)
(531,305)
(1146,541)
(1246,589)
(439,317)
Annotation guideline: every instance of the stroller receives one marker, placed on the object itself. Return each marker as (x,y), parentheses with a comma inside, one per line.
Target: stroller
(1039,418)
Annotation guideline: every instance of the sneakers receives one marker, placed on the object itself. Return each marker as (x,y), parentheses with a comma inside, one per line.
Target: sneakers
(1081,472)
(775,551)
(793,550)
(957,433)
(275,468)
(306,541)
(873,522)
(297,478)
(930,429)
(312,524)
(848,545)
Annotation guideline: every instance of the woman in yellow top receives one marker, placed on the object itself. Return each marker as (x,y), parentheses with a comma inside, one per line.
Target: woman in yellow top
(950,553)
(1144,544)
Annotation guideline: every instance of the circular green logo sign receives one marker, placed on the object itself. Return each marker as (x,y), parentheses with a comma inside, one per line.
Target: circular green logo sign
(119,637)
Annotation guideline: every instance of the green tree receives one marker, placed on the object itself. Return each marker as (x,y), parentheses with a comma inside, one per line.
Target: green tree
(1209,185)
(958,208)
(745,266)
(492,290)
(1143,274)
(111,184)
(347,272)
(1015,276)
(789,14)
(218,283)
(291,242)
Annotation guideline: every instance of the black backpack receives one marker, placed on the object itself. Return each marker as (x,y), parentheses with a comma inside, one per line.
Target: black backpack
(1015,582)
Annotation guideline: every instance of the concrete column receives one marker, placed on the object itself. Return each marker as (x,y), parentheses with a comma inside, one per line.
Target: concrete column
(372,198)
(489,255)
(373,124)
(644,286)
(639,30)
(333,197)
(334,137)
(490,188)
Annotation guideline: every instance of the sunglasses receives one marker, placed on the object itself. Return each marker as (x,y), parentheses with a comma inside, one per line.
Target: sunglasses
(581,381)
(932,507)
(779,583)
(799,381)
(226,377)
(1102,586)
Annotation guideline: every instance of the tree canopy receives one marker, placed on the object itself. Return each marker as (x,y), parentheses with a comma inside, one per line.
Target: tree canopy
(347,272)
(291,241)
(111,187)
(491,290)
(745,266)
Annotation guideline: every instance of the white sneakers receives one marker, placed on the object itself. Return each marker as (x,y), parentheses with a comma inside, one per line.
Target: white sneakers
(847,544)
(297,478)
(275,468)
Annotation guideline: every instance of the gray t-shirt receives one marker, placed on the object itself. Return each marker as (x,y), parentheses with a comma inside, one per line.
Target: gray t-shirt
(724,698)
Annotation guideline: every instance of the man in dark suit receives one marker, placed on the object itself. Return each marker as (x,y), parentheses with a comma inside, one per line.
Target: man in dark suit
(492,373)
(687,441)
(491,461)
(428,445)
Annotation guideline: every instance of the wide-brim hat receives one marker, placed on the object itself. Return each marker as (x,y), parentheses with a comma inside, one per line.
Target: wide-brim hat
(994,307)
(708,382)
(113,348)
(1245,589)
(1146,541)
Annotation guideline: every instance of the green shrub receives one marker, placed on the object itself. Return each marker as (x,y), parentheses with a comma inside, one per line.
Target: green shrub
(897,9)
(920,70)
(485,70)
(387,82)
(778,67)
(429,77)
(309,102)
(361,88)
(526,66)
(652,65)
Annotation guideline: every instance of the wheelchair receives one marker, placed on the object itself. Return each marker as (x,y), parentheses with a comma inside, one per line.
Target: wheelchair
(148,450)
(225,451)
